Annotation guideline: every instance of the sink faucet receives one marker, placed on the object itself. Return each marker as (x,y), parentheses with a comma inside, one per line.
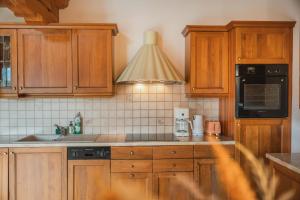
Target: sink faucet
(61,130)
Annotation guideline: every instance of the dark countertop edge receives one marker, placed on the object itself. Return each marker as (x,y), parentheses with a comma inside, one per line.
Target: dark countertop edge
(274,157)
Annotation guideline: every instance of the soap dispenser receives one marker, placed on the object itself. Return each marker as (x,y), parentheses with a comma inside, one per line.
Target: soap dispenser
(78,124)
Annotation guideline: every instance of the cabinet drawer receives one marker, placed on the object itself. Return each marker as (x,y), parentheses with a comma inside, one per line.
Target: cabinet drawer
(206,151)
(170,165)
(131,153)
(131,166)
(164,152)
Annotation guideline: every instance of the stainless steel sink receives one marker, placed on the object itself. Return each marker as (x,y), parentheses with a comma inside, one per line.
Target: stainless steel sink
(58,138)
(39,138)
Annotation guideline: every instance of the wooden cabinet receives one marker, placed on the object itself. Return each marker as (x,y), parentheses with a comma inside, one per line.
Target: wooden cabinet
(92,57)
(37,173)
(206,178)
(207,63)
(8,62)
(88,179)
(171,185)
(3,173)
(262,45)
(44,61)
(137,184)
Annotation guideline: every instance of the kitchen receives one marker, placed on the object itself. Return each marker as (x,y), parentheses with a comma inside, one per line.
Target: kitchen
(140,110)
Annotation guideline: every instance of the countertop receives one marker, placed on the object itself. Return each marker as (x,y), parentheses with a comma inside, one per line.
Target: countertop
(288,160)
(111,140)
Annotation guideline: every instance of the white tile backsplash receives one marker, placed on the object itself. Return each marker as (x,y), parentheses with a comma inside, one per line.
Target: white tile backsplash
(136,109)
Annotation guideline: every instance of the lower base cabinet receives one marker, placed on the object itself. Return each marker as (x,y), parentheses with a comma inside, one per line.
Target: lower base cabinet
(172,185)
(3,173)
(137,184)
(206,178)
(88,179)
(37,174)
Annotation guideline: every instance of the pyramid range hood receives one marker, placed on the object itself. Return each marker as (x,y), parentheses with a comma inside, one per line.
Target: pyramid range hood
(150,65)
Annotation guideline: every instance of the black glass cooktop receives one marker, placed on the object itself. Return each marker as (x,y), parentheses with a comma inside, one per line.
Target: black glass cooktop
(151,137)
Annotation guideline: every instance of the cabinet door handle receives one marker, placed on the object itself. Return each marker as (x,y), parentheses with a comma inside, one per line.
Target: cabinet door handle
(5,153)
(132,175)
(15,88)
(11,153)
(21,88)
(131,153)
(173,152)
(75,87)
(239,59)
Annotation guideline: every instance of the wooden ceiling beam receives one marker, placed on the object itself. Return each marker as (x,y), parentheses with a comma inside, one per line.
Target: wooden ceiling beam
(36,11)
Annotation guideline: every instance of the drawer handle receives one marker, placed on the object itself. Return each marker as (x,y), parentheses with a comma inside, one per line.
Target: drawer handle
(174,165)
(132,166)
(132,175)
(173,152)
(131,153)
(5,153)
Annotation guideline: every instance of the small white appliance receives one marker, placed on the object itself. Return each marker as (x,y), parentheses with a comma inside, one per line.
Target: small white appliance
(197,125)
(181,122)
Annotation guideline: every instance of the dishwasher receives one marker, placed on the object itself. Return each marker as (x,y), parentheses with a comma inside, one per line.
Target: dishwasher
(88,172)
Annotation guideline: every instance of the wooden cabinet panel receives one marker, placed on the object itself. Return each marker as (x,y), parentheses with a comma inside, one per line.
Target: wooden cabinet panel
(3,173)
(208,68)
(8,60)
(206,178)
(92,57)
(131,166)
(137,184)
(162,152)
(170,165)
(131,153)
(88,179)
(171,185)
(45,62)
(37,173)
(262,45)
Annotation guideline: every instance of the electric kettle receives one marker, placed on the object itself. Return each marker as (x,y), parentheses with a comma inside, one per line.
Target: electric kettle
(197,125)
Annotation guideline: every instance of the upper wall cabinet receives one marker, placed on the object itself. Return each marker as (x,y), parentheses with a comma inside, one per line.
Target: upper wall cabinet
(92,59)
(206,62)
(262,42)
(45,61)
(56,59)
(8,62)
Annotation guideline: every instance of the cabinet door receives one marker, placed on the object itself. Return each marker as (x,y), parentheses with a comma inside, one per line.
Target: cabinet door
(4,174)
(37,173)
(209,63)
(92,57)
(45,62)
(139,184)
(8,62)
(206,178)
(262,45)
(171,185)
(88,179)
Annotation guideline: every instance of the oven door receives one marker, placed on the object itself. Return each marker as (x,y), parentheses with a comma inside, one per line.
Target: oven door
(261,97)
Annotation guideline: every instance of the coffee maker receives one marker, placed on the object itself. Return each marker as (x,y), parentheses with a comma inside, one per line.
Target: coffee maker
(181,122)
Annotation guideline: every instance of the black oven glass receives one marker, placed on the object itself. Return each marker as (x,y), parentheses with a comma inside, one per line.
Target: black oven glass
(261,91)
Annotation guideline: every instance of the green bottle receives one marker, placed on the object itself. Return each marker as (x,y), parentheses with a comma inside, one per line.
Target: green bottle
(77,126)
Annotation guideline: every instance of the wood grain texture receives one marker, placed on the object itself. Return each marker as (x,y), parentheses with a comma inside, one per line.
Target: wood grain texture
(37,173)
(206,178)
(129,153)
(209,63)
(288,180)
(173,165)
(88,179)
(166,186)
(165,152)
(206,151)
(131,166)
(92,58)
(139,183)
(45,63)
(13,90)
(3,173)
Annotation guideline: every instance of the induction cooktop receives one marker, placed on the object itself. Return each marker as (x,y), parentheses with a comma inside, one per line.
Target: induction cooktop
(151,137)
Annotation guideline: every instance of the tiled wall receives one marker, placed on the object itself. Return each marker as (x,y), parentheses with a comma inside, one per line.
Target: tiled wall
(139,109)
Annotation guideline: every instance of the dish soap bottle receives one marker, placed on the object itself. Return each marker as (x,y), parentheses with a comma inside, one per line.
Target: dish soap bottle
(77,122)
(71,128)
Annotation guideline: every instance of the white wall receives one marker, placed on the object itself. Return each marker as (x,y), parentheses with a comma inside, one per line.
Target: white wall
(169,17)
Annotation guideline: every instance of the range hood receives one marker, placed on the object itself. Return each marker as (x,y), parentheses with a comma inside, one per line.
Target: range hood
(150,65)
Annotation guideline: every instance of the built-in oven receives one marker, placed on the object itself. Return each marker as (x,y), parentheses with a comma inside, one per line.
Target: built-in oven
(261,91)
